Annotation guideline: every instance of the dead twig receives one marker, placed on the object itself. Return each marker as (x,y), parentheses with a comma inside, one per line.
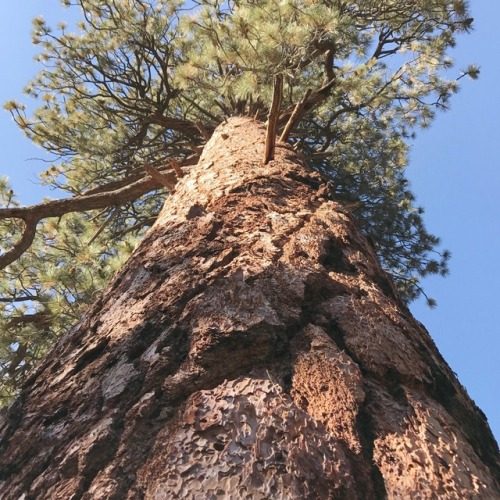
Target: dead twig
(295,116)
(320,95)
(106,223)
(159,177)
(205,133)
(272,121)
(177,168)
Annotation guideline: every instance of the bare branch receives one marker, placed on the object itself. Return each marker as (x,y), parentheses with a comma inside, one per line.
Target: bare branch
(272,121)
(329,74)
(11,300)
(295,116)
(38,318)
(315,98)
(205,133)
(158,177)
(182,166)
(177,168)
(82,203)
(106,223)
(212,117)
(178,124)
(17,359)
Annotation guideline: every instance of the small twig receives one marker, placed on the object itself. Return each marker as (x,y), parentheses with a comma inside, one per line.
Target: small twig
(111,216)
(222,107)
(115,185)
(18,358)
(295,116)
(315,98)
(158,177)
(272,121)
(351,206)
(199,108)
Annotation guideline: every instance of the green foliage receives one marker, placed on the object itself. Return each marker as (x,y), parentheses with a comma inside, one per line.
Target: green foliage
(144,81)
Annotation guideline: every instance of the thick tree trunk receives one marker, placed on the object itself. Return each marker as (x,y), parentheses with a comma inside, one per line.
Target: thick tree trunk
(252,347)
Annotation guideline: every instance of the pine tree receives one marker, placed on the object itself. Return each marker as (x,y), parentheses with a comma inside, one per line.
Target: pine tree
(138,87)
(130,100)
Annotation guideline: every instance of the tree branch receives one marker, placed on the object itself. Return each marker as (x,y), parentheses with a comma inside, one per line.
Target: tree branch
(315,98)
(177,168)
(96,199)
(295,116)
(106,223)
(158,177)
(11,300)
(272,121)
(30,221)
(204,131)
(18,357)
(329,73)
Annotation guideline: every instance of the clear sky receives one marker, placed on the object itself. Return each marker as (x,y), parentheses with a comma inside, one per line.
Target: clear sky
(454,173)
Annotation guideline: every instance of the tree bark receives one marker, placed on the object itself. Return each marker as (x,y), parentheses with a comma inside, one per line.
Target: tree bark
(252,347)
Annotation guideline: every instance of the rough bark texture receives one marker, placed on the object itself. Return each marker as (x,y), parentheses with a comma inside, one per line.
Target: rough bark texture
(252,347)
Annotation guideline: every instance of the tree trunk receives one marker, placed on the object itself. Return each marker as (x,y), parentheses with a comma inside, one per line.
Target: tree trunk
(252,347)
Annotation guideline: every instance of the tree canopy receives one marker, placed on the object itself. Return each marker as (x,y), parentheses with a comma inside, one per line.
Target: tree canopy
(129,96)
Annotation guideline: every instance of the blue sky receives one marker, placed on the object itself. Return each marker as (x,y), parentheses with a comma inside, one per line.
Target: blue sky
(454,172)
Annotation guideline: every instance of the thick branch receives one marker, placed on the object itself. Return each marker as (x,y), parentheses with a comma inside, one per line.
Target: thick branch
(29,232)
(35,213)
(39,318)
(176,124)
(329,74)
(17,359)
(179,167)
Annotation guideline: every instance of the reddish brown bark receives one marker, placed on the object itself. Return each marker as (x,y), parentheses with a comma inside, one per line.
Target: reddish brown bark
(252,347)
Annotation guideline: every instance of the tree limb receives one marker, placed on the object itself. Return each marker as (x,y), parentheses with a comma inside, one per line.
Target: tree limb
(162,179)
(314,98)
(106,223)
(82,203)
(295,116)
(11,300)
(204,131)
(329,73)
(177,168)
(30,221)
(18,357)
(272,121)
